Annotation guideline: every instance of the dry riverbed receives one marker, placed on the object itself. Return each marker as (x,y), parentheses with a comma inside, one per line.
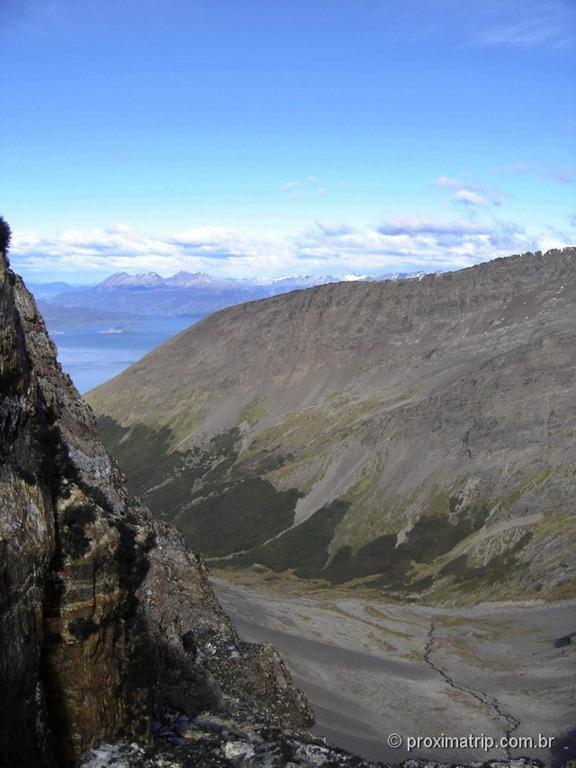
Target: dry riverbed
(372,670)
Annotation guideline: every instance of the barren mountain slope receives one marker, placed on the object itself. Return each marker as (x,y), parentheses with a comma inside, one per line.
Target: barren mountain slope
(417,434)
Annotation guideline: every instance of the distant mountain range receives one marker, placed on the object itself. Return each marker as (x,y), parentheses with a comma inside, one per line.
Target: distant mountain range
(410,436)
(50,290)
(184,293)
(201,279)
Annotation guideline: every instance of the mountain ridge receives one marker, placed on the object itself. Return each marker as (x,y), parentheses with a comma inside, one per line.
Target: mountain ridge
(368,417)
(184,293)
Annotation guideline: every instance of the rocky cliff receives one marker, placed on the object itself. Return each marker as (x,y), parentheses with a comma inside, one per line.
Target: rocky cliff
(109,629)
(412,436)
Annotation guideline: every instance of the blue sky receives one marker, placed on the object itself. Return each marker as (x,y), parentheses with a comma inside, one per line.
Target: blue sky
(243,137)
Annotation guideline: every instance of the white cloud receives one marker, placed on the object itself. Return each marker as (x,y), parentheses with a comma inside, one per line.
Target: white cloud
(400,244)
(549,243)
(468,197)
(329,230)
(468,193)
(401,225)
(445,182)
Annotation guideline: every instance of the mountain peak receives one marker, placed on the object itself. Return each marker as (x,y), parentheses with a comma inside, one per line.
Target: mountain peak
(126,280)
(184,279)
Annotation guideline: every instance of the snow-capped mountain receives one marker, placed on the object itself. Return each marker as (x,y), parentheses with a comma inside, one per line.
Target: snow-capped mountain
(125,280)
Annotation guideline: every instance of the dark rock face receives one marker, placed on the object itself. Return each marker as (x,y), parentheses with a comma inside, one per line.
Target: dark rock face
(65,604)
(105,617)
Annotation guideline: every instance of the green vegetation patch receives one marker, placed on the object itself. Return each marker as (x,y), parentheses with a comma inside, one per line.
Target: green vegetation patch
(496,571)
(219,511)
(430,537)
(238,516)
(380,556)
(304,548)
(253,411)
(294,432)
(141,452)
(143,455)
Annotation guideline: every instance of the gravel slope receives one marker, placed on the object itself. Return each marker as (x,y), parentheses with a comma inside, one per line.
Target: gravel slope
(370,669)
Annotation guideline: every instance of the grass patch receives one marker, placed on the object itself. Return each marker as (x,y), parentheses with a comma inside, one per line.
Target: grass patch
(306,548)
(218,511)
(141,452)
(496,571)
(429,538)
(238,517)
(253,411)
(303,549)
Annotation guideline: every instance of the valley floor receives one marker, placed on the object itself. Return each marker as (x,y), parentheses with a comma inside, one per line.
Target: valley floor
(371,670)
